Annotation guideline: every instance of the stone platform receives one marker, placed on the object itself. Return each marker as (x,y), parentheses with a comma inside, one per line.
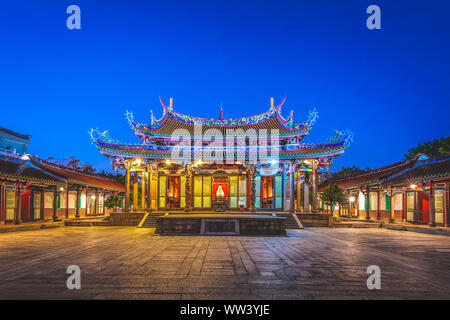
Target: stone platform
(220,224)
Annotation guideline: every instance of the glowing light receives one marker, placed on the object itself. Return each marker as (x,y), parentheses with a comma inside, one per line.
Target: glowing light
(273,162)
(352,199)
(93,197)
(307,162)
(168,162)
(413,186)
(61,188)
(199,162)
(137,162)
(220,193)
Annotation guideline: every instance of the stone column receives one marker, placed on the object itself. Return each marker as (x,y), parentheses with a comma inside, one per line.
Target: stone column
(32,218)
(188,189)
(127,189)
(149,187)
(55,204)
(392,213)
(17,213)
(357,204)
(42,208)
(314,186)
(291,183)
(378,204)
(143,191)
(77,204)
(135,192)
(96,203)
(367,203)
(416,207)
(252,171)
(305,195)
(432,222)
(404,208)
(67,202)
(446,206)
(104,201)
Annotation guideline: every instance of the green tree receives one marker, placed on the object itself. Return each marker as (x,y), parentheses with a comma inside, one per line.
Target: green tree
(348,172)
(73,163)
(88,168)
(435,148)
(113,201)
(333,195)
(132,198)
(119,177)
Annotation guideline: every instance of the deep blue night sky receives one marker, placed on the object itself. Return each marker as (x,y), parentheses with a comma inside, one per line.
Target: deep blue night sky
(390,86)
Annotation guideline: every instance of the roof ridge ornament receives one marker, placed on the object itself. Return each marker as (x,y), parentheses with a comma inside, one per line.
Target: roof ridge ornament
(221,112)
(102,136)
(313,115)
(152,118)
(346,136)
(130,117)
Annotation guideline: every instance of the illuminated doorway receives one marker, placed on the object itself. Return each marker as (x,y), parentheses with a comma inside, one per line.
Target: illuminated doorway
(173,192)
(267,199)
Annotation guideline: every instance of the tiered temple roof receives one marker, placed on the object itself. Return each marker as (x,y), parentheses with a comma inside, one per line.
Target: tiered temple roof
(158,145)
(171,120)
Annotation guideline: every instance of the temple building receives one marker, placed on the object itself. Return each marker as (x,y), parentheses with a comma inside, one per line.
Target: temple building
(187,163)
(13,142)
(411,191)
(32,189)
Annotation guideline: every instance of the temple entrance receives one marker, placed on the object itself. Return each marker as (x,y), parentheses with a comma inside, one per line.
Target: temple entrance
(220,193)
(267,192)
(173,192)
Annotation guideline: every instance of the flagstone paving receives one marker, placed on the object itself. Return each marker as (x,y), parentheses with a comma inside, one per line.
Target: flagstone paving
(132,263)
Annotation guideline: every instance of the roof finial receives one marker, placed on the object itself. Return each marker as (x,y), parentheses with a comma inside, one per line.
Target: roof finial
(221,111)
(171,103)
(271,103)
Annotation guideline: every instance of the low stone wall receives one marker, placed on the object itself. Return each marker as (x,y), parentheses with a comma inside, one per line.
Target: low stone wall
(270,227)
(194,224)
(126,218)
(177,226)
(315,219)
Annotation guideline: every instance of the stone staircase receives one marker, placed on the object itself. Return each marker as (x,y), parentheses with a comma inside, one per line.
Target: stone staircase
(150,220)
(290,222)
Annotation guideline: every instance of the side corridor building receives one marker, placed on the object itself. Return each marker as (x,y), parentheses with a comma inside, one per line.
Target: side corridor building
(32,189)
(413,191)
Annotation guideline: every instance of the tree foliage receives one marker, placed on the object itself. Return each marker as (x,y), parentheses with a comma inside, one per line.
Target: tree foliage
(333,195)
(435,148)
(113,201)
(117,176)
(73,163)
(348,172)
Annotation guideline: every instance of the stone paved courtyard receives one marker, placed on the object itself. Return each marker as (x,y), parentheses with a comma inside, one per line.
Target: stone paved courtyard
(132,263)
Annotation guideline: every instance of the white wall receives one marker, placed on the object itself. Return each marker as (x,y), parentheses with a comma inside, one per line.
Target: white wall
(361,200)
(398,201)
(48,200)
(83,200)
(72,197)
